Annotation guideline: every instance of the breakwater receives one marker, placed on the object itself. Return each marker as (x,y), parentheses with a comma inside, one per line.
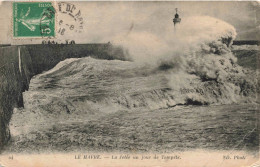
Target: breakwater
(20,63)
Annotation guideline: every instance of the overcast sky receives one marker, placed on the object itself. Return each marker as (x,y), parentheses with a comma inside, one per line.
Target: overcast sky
(102,20)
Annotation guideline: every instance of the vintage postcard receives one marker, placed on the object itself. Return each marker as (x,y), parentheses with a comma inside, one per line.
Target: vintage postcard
(129,83)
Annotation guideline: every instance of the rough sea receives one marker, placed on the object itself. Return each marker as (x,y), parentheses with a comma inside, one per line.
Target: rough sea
(171,93)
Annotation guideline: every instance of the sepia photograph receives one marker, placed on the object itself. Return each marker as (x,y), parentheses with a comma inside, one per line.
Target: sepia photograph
(129,83)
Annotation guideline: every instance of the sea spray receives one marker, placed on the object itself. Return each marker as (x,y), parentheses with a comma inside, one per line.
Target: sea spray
(193,67)
(195,34)
(196,56)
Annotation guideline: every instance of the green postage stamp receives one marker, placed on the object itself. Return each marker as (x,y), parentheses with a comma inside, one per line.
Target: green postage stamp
(33,19)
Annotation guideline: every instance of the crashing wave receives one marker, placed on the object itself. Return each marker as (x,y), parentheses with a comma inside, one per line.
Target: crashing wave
(194,66)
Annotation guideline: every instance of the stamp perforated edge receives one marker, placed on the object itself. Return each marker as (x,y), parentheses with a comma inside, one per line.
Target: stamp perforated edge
(54,4)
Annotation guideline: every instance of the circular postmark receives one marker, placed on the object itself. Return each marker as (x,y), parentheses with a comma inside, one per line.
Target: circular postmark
(70,19)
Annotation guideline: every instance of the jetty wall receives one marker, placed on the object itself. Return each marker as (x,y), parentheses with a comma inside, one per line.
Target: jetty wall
(20,63)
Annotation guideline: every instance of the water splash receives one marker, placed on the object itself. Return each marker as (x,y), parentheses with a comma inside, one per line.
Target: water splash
(194,66)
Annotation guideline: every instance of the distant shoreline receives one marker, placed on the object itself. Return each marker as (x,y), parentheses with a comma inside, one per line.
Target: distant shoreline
(246,42)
